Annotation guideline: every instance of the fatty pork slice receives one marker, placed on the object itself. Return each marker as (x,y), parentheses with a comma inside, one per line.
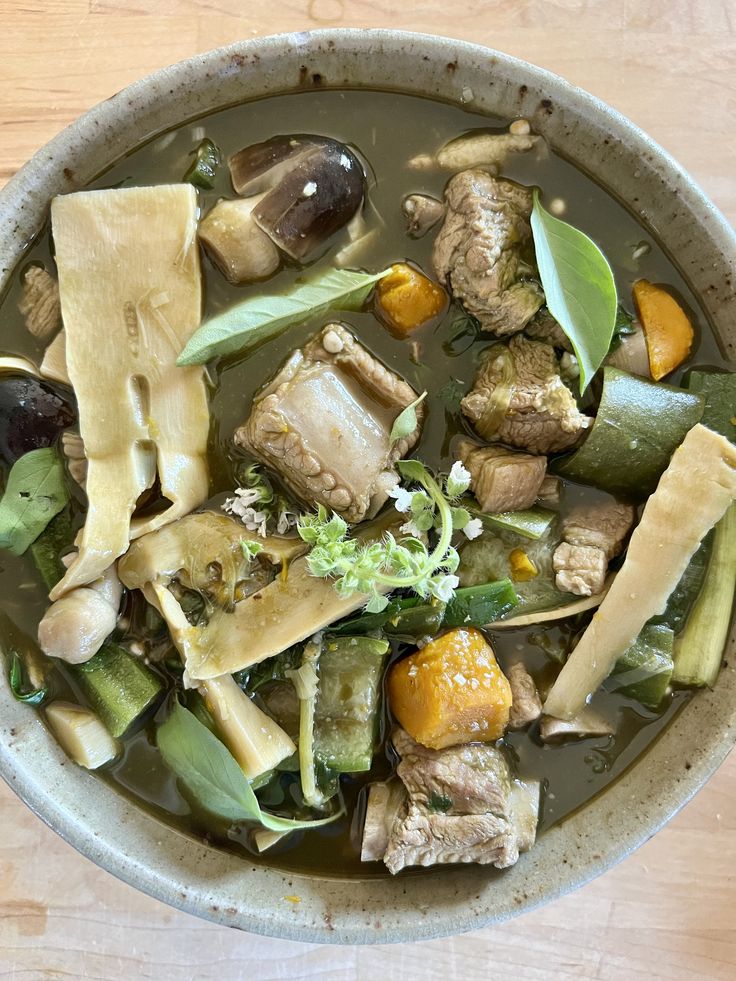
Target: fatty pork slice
(130,289)
(324,424)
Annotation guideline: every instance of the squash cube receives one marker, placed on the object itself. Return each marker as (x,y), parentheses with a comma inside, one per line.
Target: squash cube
(451,692)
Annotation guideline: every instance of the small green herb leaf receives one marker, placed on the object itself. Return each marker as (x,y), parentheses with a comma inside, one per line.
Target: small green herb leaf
(35,493)
(212,776)
(579,287)
(405,422)
(260,318)
(250,549)
(440,803)
(203,171)
(34,696)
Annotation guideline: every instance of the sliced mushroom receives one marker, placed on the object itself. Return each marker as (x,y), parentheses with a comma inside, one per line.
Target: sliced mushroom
(479,148)
(76,626)
(422,213)
(242,250)
(40,303)
(586,724)
(385,801)
(631,354)
(314,186)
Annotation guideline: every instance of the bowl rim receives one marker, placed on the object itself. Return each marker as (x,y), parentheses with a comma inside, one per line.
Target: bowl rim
(81,829)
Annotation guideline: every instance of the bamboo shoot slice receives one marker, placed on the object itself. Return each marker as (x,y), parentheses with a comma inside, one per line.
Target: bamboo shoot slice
(131,298)
(692,495)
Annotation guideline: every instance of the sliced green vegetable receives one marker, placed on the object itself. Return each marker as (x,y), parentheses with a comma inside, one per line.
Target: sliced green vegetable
(644,671)
(260,318)
(638,427)
(305,681)
(213,778)
(699,648)
(476,606)
(533,523)
(579,287)
(203,170)
(31,696)
(346,710)
(405,422)
(48,548)
(35,665)
(36,491)
(687,590)
(118,686)
(719,391)
(408,616)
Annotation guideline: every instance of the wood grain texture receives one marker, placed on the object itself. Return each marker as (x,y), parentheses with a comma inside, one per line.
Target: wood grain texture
(667,911)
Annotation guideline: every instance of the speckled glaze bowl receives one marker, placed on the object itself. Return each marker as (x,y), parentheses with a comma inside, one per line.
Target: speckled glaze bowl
(228,888)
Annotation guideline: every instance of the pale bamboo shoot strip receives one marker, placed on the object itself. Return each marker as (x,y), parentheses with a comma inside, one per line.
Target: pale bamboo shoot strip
(131,296)
(692,495)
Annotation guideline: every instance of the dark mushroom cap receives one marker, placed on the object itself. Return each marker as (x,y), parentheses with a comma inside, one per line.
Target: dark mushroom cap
(315,185)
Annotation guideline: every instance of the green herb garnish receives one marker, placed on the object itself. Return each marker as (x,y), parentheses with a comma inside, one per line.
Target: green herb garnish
(211,775)
(32,696)
(579,288)
(259,318)
(35,493)
(203,170)
(380,567)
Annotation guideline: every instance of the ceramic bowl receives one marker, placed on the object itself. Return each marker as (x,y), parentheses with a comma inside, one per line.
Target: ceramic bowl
(225,887)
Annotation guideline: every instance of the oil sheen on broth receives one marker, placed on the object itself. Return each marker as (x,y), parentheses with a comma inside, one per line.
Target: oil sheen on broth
(387,129)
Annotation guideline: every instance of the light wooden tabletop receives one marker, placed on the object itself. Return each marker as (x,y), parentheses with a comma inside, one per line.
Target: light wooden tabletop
(669,911)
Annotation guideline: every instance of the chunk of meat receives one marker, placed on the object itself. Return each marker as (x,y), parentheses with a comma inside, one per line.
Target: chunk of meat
(526,705)
(544,327)
(550,491)
(579,569)
(39,303)
(587,724)
(501,479)
(592,536)
(604,525)
(324,423)
(519,398)
(478,251)
(460,805)
(422,212)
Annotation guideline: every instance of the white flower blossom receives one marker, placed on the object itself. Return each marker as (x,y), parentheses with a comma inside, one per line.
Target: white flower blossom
(410,528)
(473,528)
(444,587)
(402,497)
(286,521)
(458,480)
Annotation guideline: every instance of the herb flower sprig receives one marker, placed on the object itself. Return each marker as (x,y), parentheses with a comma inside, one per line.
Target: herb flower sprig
(377,568)
(257,506)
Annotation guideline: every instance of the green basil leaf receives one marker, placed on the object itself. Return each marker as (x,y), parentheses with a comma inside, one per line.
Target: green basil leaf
(406,421)
(579,287)
(36,492)
(212,776)
(260,318)
(34,696)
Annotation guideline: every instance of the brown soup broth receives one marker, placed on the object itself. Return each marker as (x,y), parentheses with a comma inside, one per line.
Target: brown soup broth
(387,129)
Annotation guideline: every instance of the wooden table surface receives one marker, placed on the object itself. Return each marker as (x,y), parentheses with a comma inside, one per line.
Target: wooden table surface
(669,911)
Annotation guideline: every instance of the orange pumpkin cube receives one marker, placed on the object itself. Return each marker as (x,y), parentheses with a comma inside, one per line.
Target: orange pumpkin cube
(667,329)
(407,299)
(452,691)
